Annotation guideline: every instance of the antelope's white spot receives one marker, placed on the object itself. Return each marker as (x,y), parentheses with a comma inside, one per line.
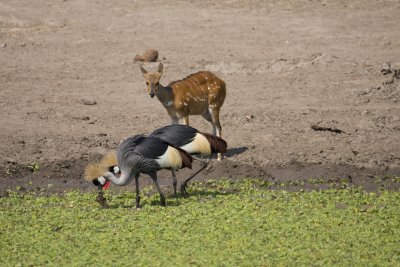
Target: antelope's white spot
(185,104)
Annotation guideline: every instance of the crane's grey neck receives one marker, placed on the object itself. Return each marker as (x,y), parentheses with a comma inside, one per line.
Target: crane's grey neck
(124,179)
(165,95)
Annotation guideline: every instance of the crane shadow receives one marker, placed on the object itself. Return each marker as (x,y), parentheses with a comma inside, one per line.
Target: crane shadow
(171,201)
(194,195)
(235,151)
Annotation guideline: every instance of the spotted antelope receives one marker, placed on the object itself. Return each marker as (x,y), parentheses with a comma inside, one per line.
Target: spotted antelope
(201,93)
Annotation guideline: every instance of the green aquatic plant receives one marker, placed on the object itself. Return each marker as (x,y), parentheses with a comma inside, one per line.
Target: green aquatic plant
(222,223)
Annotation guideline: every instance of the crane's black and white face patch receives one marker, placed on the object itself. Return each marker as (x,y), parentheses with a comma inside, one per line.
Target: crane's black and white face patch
(101,181)
(114,169)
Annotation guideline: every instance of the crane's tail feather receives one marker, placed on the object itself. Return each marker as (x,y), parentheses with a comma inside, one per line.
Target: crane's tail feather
(218,145)
(186,158)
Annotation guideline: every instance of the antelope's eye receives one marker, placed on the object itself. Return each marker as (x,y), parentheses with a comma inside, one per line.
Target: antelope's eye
(157,83)
(147,83)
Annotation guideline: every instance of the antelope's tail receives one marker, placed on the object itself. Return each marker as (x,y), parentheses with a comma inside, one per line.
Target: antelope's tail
(217,144)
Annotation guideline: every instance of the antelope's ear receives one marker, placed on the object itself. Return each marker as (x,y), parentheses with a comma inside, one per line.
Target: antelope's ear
(160,68)
(143,70)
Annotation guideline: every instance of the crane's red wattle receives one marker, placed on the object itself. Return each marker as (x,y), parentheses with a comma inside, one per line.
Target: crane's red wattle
(106,185)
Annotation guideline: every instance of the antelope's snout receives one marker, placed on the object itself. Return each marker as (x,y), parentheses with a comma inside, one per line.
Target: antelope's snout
(152,90)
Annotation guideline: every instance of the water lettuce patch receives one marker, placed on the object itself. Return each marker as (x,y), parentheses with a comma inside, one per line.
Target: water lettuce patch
(223,223)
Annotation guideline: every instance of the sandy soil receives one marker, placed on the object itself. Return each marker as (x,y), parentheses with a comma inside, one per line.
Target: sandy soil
(69,89)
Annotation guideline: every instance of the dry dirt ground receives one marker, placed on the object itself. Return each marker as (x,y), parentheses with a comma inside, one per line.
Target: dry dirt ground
(306,96)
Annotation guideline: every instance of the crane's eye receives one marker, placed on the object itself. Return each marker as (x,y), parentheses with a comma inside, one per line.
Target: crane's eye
(96,182)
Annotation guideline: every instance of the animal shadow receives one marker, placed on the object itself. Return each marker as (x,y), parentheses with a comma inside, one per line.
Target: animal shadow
(235,151)
(171,201)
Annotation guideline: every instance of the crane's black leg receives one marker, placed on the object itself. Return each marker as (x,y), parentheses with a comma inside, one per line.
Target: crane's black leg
(137,191)
(184,184)
(174,183)
(154,178)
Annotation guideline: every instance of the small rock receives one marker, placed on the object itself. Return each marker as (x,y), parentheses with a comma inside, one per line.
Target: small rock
(249,117)
(386,69)
(3,45)
(150,55)
(12,161)
(22,44)
(89,102)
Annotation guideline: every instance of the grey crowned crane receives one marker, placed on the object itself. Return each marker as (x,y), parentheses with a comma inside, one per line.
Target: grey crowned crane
(136,155)
(185,137)
(193,142)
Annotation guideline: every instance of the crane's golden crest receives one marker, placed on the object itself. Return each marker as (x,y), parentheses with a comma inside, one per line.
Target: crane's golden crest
(94,171)
(110,159)
(99,168)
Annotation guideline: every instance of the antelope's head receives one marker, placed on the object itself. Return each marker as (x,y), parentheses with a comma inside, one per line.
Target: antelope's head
(152,79)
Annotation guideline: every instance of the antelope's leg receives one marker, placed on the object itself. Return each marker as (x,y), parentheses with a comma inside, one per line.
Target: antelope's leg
(174,183)
(137,191)
(154,178)
(217,125)
(186,120)
(207,117)
(184,184)
(174,120)
(215,119)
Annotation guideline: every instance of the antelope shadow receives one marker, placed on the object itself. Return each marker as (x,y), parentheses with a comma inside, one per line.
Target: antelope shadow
(235,151)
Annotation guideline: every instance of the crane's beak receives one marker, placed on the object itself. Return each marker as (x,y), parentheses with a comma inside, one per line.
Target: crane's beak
(100,184)
(106,185)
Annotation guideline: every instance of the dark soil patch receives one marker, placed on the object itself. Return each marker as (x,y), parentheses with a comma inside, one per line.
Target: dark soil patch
(64,176)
